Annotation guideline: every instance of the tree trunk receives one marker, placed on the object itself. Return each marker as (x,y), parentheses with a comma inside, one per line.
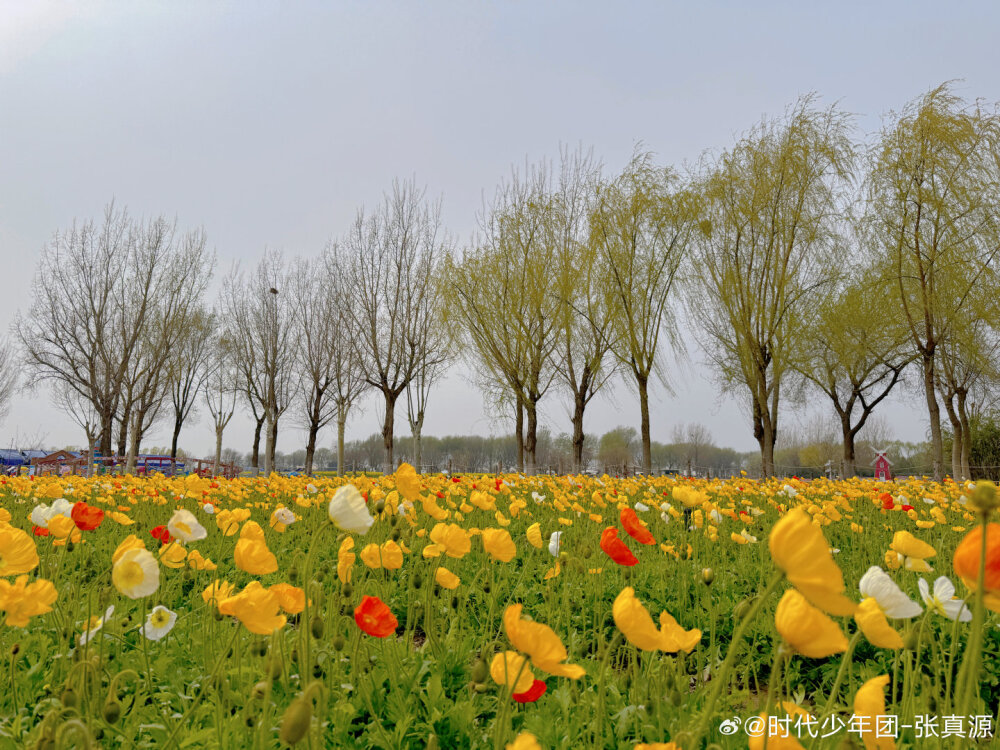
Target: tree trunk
(579,406)
(531,437)
(415,429)
(848,467)
(387,427)
(934,413)
(123,432)
(963,418)
(311,447)
(642,381)
(519,434)
(218,449)
(107,426)
(341,425)
(255,455)
(133,445)
(956,437)
(272,444)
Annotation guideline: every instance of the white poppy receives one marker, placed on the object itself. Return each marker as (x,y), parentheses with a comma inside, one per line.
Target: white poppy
(665,517)
(208,508)
(641,507)
(665,507)
(136,573)
(929,500)
(554,543)
(312,488)
(347,509)
(159,622)
(40,515)
(285,516)
(61,507)
(748,536)
(789,490)
(185,527)
(538,498)
(877,584)
(942,600)
(95,625)
(715,516)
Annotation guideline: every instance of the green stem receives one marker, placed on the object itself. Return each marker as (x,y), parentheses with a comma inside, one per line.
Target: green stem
(969,672)
(845,662)
(734,646)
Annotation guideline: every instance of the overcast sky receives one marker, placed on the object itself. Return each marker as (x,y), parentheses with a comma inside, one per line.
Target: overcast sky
(269,124)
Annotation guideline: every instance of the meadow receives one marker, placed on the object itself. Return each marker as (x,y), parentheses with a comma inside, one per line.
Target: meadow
(411,611)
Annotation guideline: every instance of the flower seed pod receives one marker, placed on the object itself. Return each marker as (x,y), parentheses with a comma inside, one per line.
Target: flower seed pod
(295,722)
(259,691)
(338,643)
(395,535)
(347,590)
(316,627)
(417,580)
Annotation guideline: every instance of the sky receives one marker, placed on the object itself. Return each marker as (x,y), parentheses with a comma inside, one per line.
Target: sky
(269,124)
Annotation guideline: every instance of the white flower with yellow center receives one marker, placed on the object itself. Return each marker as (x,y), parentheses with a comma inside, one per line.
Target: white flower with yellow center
(136,573)
(159,622)
(877,584)
(95,625)
(347,509)
(554,543)
(285,516)
(184,527)
(942,600)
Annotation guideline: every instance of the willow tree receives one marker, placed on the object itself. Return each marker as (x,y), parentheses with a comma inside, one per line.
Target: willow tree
(505,298)
(933,205)
(768,236)
(640,229)
(855,355)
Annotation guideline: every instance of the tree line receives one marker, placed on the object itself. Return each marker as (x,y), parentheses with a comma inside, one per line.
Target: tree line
(809,264)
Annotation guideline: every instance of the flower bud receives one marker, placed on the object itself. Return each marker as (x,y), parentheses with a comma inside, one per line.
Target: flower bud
(68,697)
(259,691)
(112,710)
(479,671)
(338,643)
(707,575)
(295,722)
(316,627)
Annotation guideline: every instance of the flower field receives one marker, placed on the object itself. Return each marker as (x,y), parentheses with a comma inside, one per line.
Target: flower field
(496,611)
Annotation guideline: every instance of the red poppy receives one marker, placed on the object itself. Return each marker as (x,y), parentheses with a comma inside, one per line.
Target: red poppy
(161,533)
(615,548)
(635,528)
(86,517)
(41,531)
(886,499)
(375,618)
(532,694)
(907,508)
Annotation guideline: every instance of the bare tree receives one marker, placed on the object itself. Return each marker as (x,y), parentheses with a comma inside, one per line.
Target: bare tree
(188,370)
(100,294)
(259,328)
(220,386)
(390,260)
(10,372)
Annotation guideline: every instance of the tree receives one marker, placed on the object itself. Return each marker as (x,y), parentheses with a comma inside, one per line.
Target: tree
(391,258)
(97,294)
(641,229)
(855,355)
(220,385)
(768,237)
(325,353)
(10,371)
(616,450)
(933,191)
(506,300)
(586,315)
(260,331)
(694,439)
(188,368)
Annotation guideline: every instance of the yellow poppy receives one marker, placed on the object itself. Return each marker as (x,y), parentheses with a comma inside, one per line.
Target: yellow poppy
(806,629)
(541,643)
(499,545)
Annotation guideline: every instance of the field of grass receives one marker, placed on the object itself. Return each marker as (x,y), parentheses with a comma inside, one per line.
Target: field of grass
(432,612)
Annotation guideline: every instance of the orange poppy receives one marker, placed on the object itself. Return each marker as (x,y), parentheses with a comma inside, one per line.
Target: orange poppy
(375,618)
(632,524)
(966,560)
(86,517)
(615,548)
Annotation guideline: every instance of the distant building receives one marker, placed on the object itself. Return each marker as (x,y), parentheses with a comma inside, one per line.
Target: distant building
(883,466)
